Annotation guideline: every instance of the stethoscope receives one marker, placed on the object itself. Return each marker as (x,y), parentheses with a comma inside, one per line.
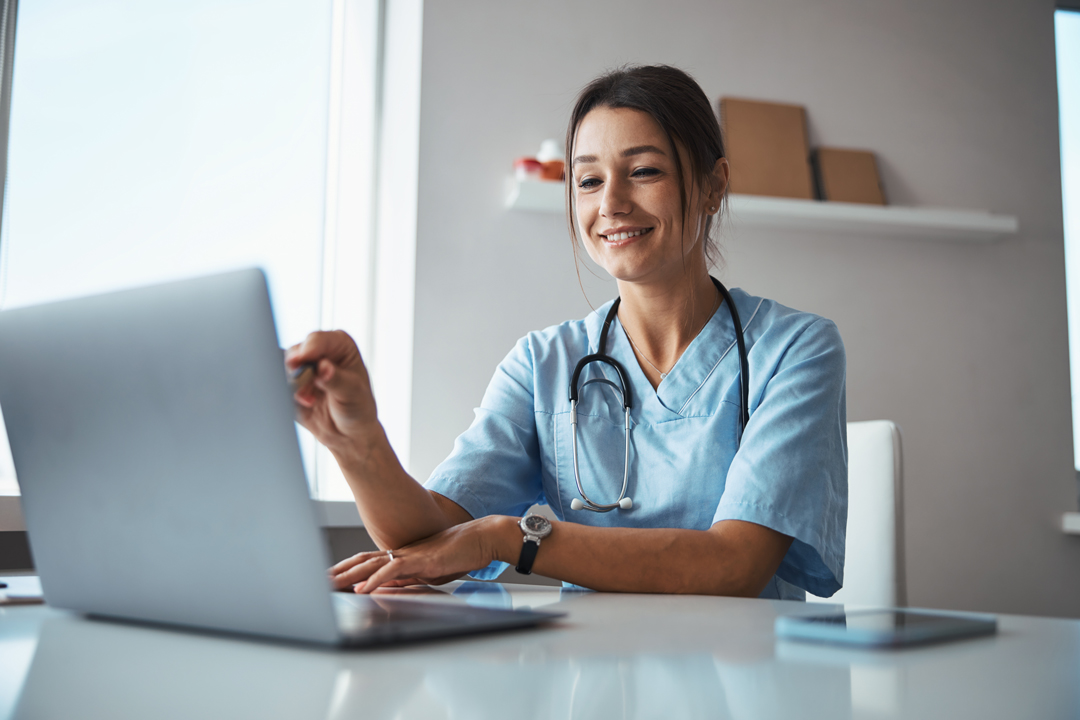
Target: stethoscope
(623,389)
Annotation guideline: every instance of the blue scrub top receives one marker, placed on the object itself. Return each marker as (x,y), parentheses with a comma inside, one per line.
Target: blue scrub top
(687,468)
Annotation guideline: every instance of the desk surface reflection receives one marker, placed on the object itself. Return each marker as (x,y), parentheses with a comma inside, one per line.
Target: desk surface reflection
(622,656)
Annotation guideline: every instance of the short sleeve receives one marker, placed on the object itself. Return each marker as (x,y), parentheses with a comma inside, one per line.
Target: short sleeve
(790,472)
(494,468)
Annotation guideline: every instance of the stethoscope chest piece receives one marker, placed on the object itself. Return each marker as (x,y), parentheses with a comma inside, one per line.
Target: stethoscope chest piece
(584,502)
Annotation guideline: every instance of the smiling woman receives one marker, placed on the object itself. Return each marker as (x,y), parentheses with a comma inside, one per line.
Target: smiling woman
(735,459)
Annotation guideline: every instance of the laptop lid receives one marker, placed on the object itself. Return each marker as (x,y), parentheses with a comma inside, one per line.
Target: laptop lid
(154,442)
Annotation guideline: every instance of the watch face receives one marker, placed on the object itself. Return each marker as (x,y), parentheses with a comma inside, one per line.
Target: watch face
(536,525)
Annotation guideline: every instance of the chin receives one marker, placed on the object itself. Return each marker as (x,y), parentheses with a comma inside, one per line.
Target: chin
(653,273)
(619,265)
(622,273)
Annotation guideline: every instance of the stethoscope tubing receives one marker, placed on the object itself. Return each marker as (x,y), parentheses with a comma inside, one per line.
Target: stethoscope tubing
(589,504)
(744,362)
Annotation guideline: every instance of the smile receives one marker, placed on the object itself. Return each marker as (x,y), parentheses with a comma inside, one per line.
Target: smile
(616,237)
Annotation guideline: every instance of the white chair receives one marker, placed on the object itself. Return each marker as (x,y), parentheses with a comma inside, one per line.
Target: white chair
(874,572)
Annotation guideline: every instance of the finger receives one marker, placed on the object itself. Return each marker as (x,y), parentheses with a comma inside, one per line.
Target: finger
(305,415)
(355,560)
(299,376)
(344,380)
(311,382)
(362,567)
(339,381)
(335,345)
(302,375)
(403,582)
(307,393)
(360,572)
(305,401)
(396,569)
(290,351)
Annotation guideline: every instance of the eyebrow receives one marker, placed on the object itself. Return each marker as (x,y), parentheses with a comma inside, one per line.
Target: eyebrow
(628,152)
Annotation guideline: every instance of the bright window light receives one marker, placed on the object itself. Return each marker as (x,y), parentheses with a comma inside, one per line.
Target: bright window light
(1067,27)
(152,141)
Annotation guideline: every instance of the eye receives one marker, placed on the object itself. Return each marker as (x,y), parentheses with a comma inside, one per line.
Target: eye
(645,172)
(588,183)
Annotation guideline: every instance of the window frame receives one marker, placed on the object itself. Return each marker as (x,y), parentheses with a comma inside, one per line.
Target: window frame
(376,238)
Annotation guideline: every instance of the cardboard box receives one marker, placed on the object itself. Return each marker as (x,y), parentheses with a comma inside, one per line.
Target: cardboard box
(767,147)
(848,176)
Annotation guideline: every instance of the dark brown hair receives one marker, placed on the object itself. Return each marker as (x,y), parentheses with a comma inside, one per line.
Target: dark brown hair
(678,105)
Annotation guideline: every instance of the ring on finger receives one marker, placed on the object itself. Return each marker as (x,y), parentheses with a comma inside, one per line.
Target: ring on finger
(390,554)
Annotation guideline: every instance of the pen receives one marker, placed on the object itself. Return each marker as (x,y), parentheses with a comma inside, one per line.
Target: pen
(302,375)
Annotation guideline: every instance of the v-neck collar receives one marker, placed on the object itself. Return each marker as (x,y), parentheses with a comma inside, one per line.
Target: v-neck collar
(693,368)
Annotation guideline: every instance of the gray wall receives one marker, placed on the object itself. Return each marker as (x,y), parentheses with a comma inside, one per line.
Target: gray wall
(963,345)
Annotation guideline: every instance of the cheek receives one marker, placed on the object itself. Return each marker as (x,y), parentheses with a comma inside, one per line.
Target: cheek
(584,217)
(590,247)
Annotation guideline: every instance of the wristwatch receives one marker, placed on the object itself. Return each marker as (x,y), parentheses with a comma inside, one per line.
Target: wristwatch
(536,528)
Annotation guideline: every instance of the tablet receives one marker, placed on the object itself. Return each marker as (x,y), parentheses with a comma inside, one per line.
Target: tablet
(884,628)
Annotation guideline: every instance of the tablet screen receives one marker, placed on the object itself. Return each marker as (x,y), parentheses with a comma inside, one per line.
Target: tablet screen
(890,620)
(883,628)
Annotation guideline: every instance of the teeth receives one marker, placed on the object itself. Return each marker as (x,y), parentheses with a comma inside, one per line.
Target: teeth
(625,235)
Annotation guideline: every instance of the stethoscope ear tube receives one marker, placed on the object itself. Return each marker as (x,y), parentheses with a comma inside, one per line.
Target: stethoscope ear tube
(601,356)
(744,363)
(624,381)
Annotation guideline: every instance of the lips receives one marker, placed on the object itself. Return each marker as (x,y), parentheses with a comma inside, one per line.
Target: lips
(620,234)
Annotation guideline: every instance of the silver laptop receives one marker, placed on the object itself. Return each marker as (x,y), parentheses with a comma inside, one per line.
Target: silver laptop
(161,478)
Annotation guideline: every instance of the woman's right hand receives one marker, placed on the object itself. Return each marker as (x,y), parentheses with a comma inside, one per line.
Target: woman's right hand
(337,405)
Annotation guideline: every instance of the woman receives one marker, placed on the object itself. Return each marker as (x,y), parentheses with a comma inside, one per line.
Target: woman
(709,506)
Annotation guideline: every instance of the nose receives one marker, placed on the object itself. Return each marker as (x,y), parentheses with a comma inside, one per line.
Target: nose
(615,199)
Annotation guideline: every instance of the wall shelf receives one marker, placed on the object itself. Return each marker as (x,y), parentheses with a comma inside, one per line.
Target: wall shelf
(537,195)
(750,211)
(1070,523)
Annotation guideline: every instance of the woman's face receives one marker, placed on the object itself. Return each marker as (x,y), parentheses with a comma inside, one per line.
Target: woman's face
(629,213)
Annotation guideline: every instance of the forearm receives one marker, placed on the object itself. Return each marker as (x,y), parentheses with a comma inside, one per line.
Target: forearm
(396,510)
(729,560)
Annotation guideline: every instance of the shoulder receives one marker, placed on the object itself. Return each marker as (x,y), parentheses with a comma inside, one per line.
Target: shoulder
(773,328)
(546,357)
(555,342)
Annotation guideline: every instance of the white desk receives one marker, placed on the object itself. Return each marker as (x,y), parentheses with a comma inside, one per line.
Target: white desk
(614,656)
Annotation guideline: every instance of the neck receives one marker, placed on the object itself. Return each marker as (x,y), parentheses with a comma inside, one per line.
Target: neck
(663,319)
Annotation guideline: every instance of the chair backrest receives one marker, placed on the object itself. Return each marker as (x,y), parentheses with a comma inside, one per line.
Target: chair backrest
(874,572)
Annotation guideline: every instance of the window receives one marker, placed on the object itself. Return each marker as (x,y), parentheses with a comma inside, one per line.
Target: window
(1067,28)
(153,141)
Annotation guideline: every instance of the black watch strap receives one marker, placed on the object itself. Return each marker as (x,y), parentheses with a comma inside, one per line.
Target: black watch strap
(527,557)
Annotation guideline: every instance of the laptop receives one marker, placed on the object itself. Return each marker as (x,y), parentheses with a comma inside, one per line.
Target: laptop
(154,442)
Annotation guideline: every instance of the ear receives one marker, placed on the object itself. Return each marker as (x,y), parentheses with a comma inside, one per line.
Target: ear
(718,181)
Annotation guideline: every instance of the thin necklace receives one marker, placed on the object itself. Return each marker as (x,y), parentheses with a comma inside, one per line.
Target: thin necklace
(663,375)
(646,357)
